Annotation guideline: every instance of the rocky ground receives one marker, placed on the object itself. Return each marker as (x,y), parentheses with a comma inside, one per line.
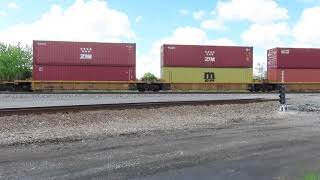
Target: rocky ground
(24,129)
(249,141)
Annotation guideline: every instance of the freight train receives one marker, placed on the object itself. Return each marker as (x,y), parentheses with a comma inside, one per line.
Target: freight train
(59,65)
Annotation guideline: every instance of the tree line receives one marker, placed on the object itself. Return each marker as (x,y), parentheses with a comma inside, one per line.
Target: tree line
(15,62)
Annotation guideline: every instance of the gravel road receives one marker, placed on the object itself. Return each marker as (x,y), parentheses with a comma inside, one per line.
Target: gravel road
(252,141)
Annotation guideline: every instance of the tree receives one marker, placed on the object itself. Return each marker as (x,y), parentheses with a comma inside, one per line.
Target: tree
(149,77)
(15,62)
(262,72)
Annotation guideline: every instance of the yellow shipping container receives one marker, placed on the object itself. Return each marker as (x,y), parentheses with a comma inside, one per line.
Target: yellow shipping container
(206,75)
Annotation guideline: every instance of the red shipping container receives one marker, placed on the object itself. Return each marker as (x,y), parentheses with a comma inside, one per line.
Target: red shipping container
(84,53)
(83,73)
(294,58)
(206,56)
(294,75)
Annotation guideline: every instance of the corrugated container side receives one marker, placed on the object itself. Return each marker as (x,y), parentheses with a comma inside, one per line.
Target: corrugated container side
(294,58)
(272,57)
(207,75)
(82,85)
(294,75)
(84,53)
(206,56)
(83,73)
(273,75)
(209,86)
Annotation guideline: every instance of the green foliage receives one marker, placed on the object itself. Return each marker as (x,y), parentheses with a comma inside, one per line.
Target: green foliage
(15,62)
(149,77)
(311,176)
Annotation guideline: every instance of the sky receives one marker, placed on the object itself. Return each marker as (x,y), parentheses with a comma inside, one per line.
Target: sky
(263,24)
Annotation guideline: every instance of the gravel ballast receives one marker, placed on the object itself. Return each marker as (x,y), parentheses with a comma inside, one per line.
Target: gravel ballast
(25,129)
(78,126)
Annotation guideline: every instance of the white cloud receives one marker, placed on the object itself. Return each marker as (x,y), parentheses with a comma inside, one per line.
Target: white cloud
(306,31)
(138,19)
(266,35)
(257,11)
(186,35)
(254,11)
(221,42)
(150,62)
(184,12)
(13,5)
(198,15)
(83,21)
(212,25)
(3,13)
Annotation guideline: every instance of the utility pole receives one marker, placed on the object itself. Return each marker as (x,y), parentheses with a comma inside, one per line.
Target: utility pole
(282,96)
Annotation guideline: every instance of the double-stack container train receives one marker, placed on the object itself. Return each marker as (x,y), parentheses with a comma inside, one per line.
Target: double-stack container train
(297,68)
(294,65)
(191,67)
(83,65)
(61,65)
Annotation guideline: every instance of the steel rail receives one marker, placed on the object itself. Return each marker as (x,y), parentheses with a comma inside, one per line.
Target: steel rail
(161,92)
(120,106)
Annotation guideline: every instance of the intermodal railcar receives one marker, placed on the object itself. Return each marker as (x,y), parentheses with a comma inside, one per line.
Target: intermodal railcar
(112,66)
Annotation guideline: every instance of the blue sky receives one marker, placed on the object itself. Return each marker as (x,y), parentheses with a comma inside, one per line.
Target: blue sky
(260,23)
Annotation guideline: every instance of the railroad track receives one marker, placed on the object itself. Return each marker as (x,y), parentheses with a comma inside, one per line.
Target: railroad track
(94,107)
(133,92)
(170,92)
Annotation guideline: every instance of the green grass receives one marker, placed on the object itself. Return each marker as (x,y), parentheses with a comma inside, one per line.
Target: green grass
(312,176)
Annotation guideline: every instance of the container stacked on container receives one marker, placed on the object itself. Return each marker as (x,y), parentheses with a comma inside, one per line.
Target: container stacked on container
(83,61)
(206,64)
(294,65)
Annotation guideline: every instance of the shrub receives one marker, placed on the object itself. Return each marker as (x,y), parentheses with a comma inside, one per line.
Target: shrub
(149,77)
(15,62)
